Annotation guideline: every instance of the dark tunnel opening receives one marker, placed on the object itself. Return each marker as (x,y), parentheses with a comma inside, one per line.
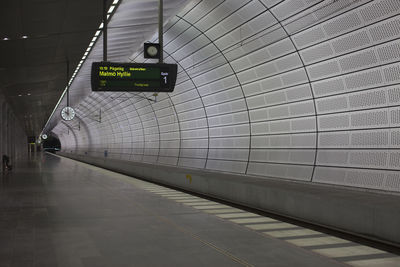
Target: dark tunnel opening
(51,144)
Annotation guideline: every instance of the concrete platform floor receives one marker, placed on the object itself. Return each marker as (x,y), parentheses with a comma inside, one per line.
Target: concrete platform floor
(58,212)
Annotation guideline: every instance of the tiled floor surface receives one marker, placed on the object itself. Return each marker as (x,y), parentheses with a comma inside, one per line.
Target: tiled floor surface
(59,212)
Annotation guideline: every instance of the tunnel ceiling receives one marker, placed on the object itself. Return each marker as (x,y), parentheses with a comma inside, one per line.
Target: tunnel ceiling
(33,70)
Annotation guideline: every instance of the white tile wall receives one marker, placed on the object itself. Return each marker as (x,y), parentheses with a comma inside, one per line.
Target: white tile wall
(251,100)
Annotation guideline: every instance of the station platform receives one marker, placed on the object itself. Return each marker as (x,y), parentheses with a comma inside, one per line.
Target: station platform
(56,211)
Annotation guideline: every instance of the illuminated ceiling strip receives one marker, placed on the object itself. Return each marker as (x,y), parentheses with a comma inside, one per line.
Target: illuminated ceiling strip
(112,8)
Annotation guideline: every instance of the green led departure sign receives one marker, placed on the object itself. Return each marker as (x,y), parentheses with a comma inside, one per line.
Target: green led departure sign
(133,77)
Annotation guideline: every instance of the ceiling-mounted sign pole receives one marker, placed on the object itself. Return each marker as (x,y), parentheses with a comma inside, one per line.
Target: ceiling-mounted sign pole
(67,82)
(104,30)
(67,113)
(160,30)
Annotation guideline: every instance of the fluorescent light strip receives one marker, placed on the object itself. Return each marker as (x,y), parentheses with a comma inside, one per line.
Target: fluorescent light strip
(111,9)
(94,39)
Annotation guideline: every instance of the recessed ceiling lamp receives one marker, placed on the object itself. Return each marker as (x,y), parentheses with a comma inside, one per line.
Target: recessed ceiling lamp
(111,9)
(19,95)
(28,94)
(6,39)
(24,36)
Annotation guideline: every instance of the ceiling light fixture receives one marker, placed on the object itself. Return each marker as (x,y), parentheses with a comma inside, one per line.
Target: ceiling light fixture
(111,9)
(19,95)
(28,94)
(96,35)
(6,39)
(24,36)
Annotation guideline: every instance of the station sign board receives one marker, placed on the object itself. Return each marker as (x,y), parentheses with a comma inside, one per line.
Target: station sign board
(133,77)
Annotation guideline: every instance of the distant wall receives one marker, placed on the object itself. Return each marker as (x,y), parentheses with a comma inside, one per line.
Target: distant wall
(13,139)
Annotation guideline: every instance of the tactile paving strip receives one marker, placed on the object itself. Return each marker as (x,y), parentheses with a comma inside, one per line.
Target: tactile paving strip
(336,248)
(342,250)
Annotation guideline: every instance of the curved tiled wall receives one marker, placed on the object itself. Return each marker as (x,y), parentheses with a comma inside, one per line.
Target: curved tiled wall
(294,89)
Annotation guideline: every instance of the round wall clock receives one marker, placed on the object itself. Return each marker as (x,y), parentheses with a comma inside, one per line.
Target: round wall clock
(67,113)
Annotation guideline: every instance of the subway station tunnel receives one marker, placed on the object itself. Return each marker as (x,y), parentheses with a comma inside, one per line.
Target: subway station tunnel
(279,146)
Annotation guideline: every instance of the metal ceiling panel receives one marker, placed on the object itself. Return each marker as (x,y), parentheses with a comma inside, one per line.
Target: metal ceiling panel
(36,65)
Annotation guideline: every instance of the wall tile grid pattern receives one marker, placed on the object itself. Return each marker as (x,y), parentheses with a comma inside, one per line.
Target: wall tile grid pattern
(294,89)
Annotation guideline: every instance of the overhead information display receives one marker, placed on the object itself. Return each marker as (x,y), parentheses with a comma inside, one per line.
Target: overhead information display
(133,77)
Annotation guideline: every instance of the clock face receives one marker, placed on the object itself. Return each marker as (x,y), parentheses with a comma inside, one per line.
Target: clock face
(67,113)
(44,136)
(152,50)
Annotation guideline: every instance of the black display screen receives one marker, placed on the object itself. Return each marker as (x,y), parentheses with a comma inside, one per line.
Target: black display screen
(133,77)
